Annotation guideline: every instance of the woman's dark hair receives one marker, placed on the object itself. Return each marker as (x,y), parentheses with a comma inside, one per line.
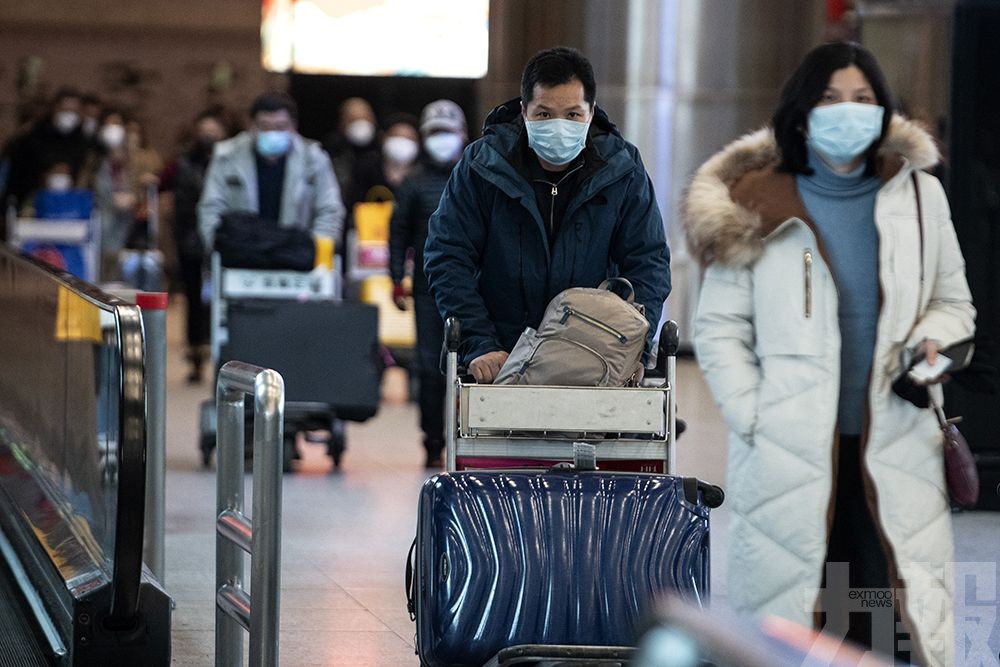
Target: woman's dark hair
(275,101)
(401,118)
(554,67)
(804,90)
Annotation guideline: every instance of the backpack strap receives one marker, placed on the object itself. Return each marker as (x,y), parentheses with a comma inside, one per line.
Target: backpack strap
(920,228)
(618,280)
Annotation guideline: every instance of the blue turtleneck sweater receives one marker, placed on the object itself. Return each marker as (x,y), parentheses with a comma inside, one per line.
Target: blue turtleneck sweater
(843,208)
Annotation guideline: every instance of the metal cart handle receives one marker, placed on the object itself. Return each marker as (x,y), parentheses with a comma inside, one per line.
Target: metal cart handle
(452,339)
(669,342)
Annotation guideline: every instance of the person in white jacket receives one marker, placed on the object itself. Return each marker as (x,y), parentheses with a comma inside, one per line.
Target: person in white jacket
(273,172)
(830,261)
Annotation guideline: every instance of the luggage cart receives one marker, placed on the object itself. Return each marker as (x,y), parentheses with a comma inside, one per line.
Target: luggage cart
(574,479)
(232,285)
(631,428)
(66,232)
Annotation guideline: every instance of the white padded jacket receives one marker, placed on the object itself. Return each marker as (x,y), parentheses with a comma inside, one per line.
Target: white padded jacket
(767,338)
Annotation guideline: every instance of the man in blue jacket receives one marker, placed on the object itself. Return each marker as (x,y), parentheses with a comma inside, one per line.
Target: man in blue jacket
(551,197)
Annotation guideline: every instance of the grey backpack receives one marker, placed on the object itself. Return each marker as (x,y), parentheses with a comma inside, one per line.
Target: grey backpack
(587,337)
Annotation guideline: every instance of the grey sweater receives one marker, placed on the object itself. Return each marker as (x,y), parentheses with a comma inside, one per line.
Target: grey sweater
(843,208)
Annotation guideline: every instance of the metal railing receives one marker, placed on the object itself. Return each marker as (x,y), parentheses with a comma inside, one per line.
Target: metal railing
(261,537)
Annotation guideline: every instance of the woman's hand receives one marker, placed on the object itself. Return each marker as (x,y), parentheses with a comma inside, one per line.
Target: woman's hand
(929,349)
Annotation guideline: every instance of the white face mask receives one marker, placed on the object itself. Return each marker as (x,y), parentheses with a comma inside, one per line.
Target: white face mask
(360,132)
(59,182)
(443,147)
(400,149)
(112,136)
(65,121)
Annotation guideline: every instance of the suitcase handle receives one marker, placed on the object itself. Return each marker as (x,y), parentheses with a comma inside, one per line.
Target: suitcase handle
(709,495)
(411,590)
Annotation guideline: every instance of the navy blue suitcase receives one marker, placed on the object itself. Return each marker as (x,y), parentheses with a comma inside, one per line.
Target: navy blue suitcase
(506,558)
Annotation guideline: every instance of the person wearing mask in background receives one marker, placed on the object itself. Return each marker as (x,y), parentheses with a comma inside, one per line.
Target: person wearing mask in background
(118,182)
(352,146)
(272,171)
(90,112)
(443,129)
(56,137)
(831,261)
(551,197)
(185,182)
(400,146)
(57,177)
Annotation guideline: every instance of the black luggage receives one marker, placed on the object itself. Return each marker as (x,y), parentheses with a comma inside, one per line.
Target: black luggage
(326,351)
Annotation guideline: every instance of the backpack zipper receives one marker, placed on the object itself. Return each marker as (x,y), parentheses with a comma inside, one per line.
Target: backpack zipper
(807,258)
(567,311)
(545,339)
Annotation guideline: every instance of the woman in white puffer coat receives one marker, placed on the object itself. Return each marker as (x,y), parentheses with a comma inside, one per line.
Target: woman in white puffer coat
(830,260)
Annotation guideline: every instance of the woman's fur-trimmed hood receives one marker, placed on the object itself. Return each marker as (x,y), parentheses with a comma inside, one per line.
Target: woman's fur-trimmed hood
(737,196)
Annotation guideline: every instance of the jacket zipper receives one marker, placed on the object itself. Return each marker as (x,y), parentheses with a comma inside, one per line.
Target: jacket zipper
(807,258)
(555,193)
(567,312)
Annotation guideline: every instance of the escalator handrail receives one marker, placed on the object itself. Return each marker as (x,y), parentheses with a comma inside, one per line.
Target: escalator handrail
(131,502)
(131,498)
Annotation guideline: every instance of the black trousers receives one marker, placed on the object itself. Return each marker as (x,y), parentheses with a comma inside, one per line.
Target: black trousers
(197,310)
(858,600)
(430,336)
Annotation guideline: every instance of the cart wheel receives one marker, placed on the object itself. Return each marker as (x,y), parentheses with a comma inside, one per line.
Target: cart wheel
(338,441)
(288,452)
(206,445)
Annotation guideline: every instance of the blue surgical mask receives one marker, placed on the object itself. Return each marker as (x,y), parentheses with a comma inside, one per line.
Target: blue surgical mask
(842,132)
(557,141)
(272,143)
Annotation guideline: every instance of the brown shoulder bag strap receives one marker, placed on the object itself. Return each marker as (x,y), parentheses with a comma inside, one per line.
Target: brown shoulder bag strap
(920,228)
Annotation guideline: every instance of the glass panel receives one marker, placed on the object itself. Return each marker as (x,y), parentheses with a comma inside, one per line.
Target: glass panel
(60,386)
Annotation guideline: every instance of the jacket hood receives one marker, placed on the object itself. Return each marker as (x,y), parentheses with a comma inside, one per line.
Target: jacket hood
(738,196)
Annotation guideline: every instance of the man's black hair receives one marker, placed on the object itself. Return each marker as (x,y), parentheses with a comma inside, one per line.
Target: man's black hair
(275,101)
(554,67)
(804,90)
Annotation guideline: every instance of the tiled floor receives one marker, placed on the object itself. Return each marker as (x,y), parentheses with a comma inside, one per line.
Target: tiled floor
(346,535)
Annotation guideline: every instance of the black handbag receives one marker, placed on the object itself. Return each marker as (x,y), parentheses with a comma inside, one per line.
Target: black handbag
(245,241)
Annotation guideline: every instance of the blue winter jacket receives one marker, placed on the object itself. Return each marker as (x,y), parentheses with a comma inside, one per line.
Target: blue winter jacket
(488,258)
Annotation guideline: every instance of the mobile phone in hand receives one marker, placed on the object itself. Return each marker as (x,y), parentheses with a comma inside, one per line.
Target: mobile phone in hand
(923,373)
(954,357)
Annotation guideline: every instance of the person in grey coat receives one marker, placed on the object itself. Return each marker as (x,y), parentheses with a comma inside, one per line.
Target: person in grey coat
(272,171)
